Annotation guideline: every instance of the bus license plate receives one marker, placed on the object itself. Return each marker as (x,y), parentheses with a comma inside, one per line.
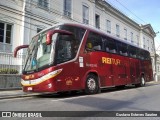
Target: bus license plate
(30,88)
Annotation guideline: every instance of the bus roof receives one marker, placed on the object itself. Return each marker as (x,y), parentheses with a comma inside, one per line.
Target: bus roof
(90,28)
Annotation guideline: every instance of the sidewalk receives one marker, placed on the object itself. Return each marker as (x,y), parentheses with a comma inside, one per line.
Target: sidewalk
(9,94)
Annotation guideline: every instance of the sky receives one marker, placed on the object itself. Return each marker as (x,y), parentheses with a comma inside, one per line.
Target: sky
(143,12)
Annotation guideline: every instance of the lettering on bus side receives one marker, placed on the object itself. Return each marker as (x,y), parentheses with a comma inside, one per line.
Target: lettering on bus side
(107,60)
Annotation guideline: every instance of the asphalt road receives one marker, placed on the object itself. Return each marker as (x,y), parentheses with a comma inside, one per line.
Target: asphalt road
(129,99)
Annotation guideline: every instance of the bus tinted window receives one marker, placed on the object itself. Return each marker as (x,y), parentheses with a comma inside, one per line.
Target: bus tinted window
(132,51)
(78,32)
(110,45)
(94,42)
(146,55)
(140,54)
(68,45)
(122,48)
(65,48)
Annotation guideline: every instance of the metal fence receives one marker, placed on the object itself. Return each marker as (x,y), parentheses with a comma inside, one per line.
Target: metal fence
(7,60)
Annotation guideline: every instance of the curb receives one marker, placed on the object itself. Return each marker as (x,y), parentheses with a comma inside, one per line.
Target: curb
(18,96)
(11,97)
(153,83)
(10,89)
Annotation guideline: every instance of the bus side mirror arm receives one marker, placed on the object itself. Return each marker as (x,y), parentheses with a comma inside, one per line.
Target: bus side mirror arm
(51,32)
(19,48)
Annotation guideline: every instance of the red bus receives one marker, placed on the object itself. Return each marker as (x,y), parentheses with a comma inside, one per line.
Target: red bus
(72,56)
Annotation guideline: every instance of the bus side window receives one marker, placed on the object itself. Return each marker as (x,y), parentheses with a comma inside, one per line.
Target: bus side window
(140,54)
(132,51)
(110,45)
(94,42)
(122,48)
(146,55)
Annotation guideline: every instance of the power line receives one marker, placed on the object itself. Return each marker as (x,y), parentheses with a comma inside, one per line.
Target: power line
(136,17)
(131,11)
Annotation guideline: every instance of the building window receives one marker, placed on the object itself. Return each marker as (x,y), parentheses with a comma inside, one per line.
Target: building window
(148,44)
(43,4)
(132,37)
(5,37)
(138,40)
(117,31)
(85,14)
(2,32)
(108,26)
(144,40)
(67,8)
(125,34)
(97,21)
(152,47)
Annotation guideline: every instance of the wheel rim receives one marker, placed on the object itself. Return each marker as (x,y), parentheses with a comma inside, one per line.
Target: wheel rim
(91,84)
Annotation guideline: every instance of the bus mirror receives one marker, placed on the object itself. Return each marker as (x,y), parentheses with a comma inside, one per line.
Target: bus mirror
(51,32)
(19,48)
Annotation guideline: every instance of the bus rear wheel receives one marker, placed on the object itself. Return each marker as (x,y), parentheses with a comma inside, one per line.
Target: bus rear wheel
(92,85)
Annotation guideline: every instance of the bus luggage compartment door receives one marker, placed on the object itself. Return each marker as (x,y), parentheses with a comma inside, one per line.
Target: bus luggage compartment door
(134,70)
(119,70)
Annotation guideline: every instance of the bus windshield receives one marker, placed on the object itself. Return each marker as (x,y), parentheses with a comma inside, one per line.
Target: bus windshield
(39,53)
(62,49)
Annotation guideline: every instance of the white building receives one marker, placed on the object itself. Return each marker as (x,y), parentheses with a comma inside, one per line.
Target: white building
(157,67)
(20,20)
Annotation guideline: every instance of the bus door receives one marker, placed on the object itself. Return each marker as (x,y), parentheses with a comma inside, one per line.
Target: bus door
(65,58)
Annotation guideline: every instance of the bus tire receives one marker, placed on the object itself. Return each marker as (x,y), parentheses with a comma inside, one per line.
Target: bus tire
(142,82)
(91,84)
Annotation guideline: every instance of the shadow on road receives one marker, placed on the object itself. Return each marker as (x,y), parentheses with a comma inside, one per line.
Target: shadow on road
(81,93)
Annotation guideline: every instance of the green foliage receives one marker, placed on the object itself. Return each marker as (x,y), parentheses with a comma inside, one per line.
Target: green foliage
(8,71)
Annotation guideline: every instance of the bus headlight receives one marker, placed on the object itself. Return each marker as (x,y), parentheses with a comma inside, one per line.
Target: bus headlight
(41,79)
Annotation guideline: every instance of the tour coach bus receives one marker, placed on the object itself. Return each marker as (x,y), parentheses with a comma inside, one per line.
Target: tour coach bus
(72,56)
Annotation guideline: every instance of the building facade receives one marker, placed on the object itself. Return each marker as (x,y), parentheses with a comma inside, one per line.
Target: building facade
(20,20)
(157,67)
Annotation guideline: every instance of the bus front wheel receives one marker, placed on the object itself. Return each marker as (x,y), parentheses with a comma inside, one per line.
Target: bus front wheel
(92,85)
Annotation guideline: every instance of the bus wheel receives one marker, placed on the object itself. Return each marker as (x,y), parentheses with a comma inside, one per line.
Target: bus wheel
(142,82)
(92,86)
